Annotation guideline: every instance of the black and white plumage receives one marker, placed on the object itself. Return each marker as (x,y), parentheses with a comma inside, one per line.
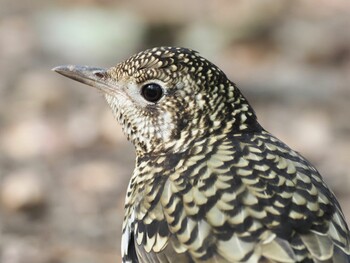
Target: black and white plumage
(210,184)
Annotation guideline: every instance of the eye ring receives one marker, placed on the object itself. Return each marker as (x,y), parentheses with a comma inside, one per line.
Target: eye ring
(152,92)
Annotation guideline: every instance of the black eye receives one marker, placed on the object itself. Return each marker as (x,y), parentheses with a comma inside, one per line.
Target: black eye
(152,92)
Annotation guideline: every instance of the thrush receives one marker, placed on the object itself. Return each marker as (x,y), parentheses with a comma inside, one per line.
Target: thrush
(210,184)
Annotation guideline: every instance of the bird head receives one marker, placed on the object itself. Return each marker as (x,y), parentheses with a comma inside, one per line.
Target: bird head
(165,98)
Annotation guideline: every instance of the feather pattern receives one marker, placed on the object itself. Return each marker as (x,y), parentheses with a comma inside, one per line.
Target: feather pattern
(210,184)
(262,202)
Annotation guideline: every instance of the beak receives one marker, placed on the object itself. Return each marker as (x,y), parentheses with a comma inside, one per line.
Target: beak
(95,77)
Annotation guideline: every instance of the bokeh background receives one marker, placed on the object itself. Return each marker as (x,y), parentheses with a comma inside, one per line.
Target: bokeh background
(64,163)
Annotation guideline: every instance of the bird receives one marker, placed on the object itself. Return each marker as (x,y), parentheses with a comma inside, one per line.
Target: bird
(210,184)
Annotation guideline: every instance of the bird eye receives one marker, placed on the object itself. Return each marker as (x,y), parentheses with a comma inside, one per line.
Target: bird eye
(152,92)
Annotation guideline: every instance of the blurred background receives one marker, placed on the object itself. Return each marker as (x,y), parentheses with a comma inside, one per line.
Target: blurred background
(64,163)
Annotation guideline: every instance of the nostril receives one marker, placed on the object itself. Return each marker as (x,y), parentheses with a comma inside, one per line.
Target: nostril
(99,74)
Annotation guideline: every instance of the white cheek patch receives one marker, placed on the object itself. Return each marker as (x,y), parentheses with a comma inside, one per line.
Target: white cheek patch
(129,108)
(167,126)
(120,105)
(133,91)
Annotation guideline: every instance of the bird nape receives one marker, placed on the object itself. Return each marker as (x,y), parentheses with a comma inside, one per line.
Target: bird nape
(210,184)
